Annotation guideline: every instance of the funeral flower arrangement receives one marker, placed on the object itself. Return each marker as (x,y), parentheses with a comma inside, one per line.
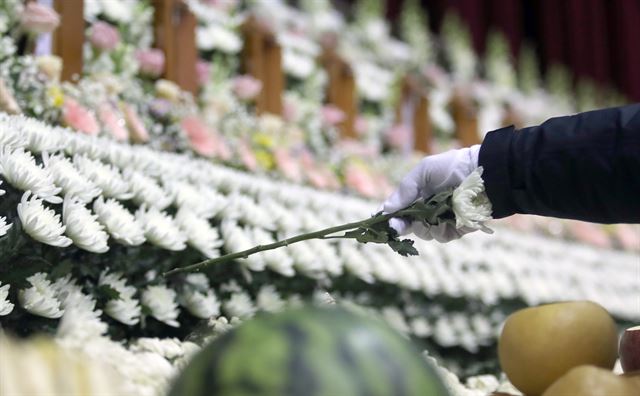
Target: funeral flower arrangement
(109,183)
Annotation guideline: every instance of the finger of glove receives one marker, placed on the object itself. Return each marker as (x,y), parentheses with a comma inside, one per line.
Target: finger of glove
(446,232)
(402,227)
(421,230)
(410,189)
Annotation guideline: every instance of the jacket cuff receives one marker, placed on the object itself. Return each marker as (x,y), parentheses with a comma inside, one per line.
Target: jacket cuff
(494,159)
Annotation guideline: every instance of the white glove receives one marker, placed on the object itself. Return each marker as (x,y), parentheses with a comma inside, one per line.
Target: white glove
(432,175)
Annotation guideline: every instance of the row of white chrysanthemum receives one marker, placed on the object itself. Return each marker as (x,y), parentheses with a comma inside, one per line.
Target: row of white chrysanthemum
(507,268)
(55,299)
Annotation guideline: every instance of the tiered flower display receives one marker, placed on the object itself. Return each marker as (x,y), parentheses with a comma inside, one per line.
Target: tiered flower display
(115,187)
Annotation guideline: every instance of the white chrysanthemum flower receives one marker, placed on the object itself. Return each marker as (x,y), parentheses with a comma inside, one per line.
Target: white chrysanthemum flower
(161,301)
(248,211)
(221,324)
(124,309)
(121,225)
(5,305)
(19,169)
(199,200)
(41,137)
(69,179)
(107,177)
(40,299)
(278,260)
(240,305)
(200,234)
(470,202)
(268,299)
(4,227)
(356,263)
(160,229)
(169,348)
(305,259)
(198,298)
(81,320)
(40,222)
(394,317)
(146,191)
(2,192)
(236,240)
(83,227)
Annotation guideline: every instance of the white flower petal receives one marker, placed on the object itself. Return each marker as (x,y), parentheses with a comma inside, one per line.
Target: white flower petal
(5,305)
(83,227)
(160,229)
(162,302)
(19,169)
(470,202)
(39,299)
(40,222)
(120,224)
(124,309)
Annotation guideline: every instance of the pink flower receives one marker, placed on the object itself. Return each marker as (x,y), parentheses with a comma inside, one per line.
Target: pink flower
(137,130)
(398,136)
(290,111)
(203,70)
(104,36)
(591,234)
(151,61)
(8,103)
(75,116)
(361,125)
(113,122)
(628,236)
(247,157)
(246,87)
(200,137)
(331,115)
(38,18)
(287,165)
(358,179)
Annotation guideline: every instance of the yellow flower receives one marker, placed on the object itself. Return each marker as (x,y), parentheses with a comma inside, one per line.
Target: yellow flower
(264,159)
(262,139)
(55,95)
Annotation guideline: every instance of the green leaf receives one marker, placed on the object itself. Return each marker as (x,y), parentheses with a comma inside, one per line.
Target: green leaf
(403,247)
(61,269)
(105,293)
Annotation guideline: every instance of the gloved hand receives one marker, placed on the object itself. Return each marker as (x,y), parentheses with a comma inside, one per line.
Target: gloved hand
(432,175)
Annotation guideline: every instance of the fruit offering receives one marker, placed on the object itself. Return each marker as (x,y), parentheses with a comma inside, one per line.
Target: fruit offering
(538,345)
(309,351)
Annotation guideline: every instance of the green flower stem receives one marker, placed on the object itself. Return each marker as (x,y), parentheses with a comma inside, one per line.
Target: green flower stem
(322,234)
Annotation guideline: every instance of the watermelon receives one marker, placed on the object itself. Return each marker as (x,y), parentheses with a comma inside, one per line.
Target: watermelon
(310,352)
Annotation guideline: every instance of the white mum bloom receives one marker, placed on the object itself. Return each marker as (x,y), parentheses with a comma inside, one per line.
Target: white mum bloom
(69,179)
(4,227)
(83,227)
(200,234)
(203,202)
(107,177)
(124,309)
(394,317)
(268,299)
(278,260)
(160,229)
(146,191)
(120,224)
(5,305)
(162,302)
(2,192)
(10,135)
(40,299)
(169,348)
(81,320)
(40,222)
(240,305)
(470,202)
(41,137)
(236,240)
(19,168)
(198,298)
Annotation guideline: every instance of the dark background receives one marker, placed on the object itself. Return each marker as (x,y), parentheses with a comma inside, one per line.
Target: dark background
(599,39)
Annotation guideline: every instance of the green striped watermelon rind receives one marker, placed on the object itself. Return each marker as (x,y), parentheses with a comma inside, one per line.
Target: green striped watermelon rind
(310,351)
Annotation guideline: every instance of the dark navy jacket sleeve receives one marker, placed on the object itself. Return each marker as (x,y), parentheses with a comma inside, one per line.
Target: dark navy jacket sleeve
(585,167)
